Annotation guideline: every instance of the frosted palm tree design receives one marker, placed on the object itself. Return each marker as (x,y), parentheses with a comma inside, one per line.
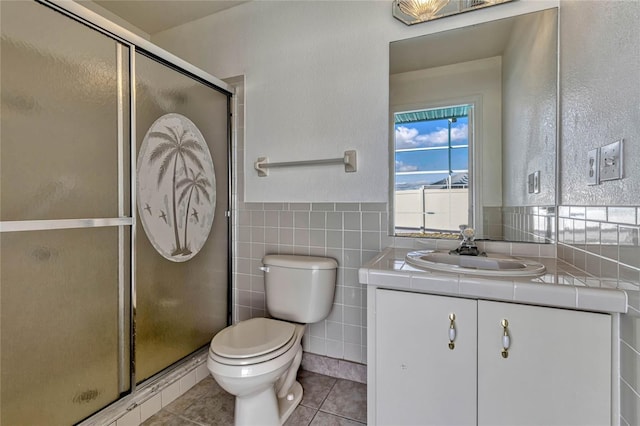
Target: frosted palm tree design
(189,186)
(176,143)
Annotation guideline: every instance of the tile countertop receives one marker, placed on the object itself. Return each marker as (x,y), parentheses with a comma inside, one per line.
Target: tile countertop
(561,286)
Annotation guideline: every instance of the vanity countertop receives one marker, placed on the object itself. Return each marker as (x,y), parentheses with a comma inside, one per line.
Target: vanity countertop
(561,286)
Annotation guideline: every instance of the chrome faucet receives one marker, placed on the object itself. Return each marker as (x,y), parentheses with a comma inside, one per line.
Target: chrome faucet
(468,246)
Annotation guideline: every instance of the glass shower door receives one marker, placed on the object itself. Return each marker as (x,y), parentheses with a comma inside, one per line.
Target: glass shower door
(64,218)
(181,297)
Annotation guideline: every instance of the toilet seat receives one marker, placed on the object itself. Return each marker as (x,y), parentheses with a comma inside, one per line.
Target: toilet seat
(252,341)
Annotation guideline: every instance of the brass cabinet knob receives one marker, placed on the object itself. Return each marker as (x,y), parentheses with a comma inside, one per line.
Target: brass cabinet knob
(452,330)
(506,340)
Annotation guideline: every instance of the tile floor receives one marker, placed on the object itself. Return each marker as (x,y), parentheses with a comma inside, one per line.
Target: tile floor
(327,401)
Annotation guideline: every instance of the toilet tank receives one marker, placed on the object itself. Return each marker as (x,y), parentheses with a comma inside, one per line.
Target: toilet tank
(299,288)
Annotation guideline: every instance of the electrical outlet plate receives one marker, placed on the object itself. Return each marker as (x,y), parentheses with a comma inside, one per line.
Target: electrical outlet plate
(593,167)
(611,161)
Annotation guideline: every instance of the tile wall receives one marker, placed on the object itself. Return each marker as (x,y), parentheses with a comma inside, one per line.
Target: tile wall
(604,241)
(351,233)
(534,224)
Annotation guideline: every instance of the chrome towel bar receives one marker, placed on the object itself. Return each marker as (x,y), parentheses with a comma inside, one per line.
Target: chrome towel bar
(349,160)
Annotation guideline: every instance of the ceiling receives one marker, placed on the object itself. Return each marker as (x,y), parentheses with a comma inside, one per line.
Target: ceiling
(450,47)
(153,16)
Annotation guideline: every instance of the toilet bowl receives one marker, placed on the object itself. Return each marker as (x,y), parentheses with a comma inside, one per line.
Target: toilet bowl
(257,360)
(251,360)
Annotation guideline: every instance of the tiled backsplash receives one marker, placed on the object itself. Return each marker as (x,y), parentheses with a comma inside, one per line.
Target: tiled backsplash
(604,241)
(534,224)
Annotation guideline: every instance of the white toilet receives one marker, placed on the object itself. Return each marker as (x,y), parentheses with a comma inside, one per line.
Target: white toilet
(257,360)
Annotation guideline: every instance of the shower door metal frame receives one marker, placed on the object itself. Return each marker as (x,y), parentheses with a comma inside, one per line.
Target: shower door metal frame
(136,44)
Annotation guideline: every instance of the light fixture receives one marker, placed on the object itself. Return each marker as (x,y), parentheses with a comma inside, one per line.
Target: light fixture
(416,11)
(422,10)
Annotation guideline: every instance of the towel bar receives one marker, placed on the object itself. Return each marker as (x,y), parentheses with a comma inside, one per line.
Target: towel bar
(349,160)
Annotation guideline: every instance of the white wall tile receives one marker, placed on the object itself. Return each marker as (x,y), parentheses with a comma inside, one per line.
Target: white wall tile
(187,381)
(170,393)
(202,372)
(352,352)
(150,407)
(132,418)
(335,348)
(317,220)
(353,334)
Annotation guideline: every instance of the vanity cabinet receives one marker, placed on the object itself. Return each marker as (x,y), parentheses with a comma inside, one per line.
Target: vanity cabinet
(543,366)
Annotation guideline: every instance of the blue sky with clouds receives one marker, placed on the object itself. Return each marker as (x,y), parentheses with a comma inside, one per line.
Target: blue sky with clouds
(427,134)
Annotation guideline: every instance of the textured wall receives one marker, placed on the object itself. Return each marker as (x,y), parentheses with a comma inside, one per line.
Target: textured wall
(529,72)
(600,92)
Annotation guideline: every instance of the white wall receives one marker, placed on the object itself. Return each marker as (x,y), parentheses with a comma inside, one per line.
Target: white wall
(316,85)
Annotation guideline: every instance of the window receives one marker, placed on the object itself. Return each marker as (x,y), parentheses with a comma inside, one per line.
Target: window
(431,178)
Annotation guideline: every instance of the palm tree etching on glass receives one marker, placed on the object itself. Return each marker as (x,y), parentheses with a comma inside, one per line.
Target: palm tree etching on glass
(196,184)
(176,144)
(176,187)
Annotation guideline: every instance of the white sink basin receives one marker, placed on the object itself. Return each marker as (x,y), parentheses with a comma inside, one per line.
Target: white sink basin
(497,265)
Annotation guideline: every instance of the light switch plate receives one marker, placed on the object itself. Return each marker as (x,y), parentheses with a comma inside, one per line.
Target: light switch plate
(536,182)
(530,183)
(593,167)
(611,161)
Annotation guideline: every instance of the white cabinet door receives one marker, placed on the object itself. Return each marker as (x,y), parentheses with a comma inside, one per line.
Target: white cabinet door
(558,369)
(419,379)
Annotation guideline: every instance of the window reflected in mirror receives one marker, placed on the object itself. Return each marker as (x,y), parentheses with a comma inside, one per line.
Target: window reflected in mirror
(431,178)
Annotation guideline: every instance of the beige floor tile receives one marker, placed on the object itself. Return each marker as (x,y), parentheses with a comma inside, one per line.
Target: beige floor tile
(315,388)
(347,399)
(301,416)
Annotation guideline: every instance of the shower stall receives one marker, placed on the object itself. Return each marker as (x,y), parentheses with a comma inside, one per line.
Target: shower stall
(103,285)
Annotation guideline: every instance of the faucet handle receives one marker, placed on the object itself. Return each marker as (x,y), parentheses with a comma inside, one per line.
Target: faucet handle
(468,233)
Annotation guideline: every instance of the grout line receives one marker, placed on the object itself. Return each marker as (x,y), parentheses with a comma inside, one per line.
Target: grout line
(313,417)
(191,421)
(342,416)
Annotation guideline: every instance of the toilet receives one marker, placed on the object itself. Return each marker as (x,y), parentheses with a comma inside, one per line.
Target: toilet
(257,360)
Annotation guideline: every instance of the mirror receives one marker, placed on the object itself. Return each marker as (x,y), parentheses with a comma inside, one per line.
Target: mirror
(473,130)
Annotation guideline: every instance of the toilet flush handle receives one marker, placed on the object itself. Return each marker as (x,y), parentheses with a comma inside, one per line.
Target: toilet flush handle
(264,268)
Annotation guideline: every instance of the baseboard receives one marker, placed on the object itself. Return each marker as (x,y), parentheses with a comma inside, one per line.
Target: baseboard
(338,368)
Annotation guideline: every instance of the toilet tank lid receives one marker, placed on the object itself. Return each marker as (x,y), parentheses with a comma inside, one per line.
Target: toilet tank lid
(299,262)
